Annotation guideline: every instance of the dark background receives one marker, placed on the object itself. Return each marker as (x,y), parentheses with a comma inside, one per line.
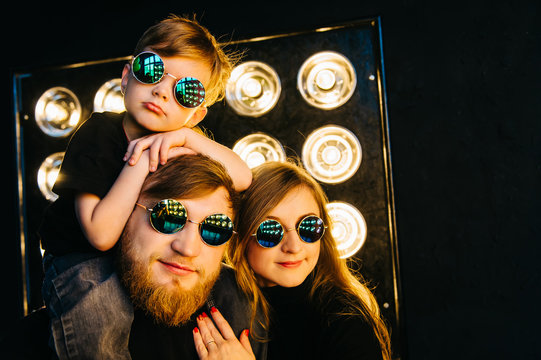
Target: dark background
(464,93)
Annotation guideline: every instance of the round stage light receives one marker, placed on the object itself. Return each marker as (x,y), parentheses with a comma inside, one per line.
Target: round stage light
(253,89)
(348,228)
(326,80)
(47,174)
(109,97)
(332,154)
(258,148)
(58,112)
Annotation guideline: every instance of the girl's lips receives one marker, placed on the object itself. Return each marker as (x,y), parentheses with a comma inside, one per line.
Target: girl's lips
(153,107)
(290,264)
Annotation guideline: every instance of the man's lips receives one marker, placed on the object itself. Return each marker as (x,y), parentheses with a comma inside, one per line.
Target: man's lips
(178,269)
(153,107)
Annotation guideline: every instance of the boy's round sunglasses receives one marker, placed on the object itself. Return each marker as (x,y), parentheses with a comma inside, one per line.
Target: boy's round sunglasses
(270,232)
(148,68)
(169,216)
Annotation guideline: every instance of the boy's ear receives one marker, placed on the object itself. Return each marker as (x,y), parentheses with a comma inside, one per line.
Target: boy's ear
(197,116)
(125,76)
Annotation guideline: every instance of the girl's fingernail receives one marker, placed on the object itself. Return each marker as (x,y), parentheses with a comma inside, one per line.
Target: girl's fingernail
(195,330)
(204,314)
(247,332)
(213,309)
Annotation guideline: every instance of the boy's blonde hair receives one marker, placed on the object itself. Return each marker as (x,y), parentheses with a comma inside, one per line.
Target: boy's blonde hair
(183,36)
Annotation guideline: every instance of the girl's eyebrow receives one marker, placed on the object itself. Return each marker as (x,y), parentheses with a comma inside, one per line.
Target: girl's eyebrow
(271,217)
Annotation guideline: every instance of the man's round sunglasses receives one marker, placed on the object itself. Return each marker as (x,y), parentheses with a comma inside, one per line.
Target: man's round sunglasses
(148,68)
(270,232)
(169,216)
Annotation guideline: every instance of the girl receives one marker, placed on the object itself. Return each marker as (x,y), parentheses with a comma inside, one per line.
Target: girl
(287,262)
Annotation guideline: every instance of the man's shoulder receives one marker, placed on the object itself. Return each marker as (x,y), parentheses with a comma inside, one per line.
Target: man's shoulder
(235,306)
(227,273)
(227,296)
(226,284)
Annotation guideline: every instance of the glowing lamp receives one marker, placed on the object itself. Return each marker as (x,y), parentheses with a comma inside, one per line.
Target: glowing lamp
(253,89)
(348,228)
(258,148)
(332,154)
(326,80)
(109,97)
(47,174)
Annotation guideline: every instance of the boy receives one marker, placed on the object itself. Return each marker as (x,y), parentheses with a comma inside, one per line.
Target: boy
(177,71)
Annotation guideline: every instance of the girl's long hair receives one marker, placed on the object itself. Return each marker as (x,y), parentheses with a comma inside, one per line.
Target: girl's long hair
(331,276)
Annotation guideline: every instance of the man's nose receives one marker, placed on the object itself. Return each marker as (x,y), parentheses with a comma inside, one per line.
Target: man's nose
(187,241)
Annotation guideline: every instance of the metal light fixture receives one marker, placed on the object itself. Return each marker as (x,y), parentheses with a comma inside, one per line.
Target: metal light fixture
(109,97)
(326,80)
(253,89)
(58,112)
(47,174)
(332,154)
(258,148)
(348,228)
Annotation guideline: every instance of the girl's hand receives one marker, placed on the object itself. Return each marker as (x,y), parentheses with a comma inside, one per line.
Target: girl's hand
(220,342)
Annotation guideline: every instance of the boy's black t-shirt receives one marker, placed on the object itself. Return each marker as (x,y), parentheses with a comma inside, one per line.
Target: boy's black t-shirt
(92,162)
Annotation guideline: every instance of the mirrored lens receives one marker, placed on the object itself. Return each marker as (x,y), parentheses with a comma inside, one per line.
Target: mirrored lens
(216,229)
(189,92)
(168,216)
(269,233)
(311,229)
(148,68)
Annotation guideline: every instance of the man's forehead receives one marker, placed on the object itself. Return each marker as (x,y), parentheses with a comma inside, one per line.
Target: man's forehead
(212,202)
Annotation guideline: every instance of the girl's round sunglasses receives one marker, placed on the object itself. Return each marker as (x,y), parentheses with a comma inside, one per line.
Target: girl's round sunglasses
(148,68)
(270,232)
(169,216)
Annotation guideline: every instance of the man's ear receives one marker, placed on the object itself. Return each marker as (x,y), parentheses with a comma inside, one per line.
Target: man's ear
(125,77)
(197,116)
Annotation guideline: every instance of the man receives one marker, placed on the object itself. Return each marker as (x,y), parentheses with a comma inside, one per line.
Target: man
(170,262)
(170,258)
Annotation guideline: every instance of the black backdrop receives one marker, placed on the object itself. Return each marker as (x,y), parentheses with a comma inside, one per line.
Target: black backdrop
(463,86)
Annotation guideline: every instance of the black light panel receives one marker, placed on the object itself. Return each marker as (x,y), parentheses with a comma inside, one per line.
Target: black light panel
(318,95)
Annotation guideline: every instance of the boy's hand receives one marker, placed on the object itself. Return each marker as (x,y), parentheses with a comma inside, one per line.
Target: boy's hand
(159,145)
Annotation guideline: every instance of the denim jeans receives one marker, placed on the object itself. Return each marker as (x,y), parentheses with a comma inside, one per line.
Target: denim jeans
(91,313)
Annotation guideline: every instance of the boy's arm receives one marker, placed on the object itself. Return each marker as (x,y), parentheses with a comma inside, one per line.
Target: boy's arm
(159,145)
(102,220)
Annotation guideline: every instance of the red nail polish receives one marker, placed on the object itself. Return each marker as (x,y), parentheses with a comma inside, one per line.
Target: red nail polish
(195,330)
(204,314)
(247,332)
(213,309)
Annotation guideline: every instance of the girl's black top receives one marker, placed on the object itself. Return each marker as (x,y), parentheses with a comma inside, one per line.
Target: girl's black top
(304,329)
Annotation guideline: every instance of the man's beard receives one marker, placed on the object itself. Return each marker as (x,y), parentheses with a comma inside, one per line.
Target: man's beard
(169,305)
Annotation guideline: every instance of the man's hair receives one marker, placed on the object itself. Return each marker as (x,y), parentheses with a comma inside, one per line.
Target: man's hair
(189,177)
(182,36)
